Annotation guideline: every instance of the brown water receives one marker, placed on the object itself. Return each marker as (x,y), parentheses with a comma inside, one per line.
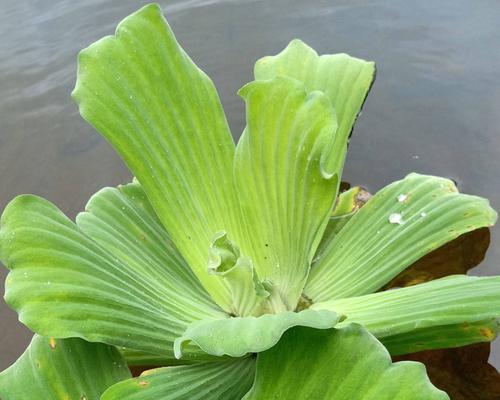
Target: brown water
(434,108)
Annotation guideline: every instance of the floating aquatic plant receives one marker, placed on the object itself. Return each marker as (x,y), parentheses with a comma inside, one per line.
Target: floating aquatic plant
(243,266)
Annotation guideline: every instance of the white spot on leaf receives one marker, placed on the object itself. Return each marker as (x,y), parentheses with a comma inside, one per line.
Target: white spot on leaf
(396,218)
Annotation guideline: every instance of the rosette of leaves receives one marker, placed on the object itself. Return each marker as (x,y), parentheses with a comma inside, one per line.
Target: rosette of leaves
(234,268)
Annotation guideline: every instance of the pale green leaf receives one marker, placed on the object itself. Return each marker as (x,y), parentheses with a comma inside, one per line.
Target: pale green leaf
(340,364)
(162,114)
(424,311)
(238,336)
(62,369)
(285,185)
(227,380)
(370,250)
(345,80)
(64,284)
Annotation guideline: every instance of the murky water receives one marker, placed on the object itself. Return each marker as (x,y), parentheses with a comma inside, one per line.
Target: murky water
(434,108)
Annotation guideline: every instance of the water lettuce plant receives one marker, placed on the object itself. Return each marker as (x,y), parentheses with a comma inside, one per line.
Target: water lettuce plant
(239,270)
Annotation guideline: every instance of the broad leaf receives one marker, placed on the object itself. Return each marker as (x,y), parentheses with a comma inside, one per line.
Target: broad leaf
(60,277)
(340,364)
(238,336)
(400,224)
(228,380)
(345,80)
(434,314)
(162,114)
(56,369)
(285,183)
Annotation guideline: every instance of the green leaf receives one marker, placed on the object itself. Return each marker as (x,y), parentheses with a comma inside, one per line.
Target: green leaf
(425,311)
(345,80)
(340,364)
(228,380)
(285,183)
(126,286)
(63,369)
(442,337)
(162,114)
(238,336)
(370,250)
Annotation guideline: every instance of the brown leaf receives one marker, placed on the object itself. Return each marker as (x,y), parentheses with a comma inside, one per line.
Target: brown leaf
(463,373)
(455,257)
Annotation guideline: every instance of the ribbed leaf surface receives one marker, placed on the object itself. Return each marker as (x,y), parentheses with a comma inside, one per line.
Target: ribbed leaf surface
(228,380)
(400,224)
(238,336)
(340,364)
(345,80)
(162,114)
(285,184)
(62,369)
(64,284)
(425,311)
(442,337)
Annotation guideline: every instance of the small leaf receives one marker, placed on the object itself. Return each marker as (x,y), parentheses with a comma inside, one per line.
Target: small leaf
(162,114)
(369,251)
(238,336)
(225,380)
(433,314)
(248,292)
(340,364)
(54,369)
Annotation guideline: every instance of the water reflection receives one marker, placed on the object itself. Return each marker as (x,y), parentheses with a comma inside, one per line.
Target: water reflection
(433,109)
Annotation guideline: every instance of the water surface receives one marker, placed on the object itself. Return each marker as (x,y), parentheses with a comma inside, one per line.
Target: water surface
(434,108)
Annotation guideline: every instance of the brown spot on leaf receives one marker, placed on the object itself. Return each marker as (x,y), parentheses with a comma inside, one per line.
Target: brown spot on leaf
(143,383)
(52,343)
(361,198)
(487,333)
